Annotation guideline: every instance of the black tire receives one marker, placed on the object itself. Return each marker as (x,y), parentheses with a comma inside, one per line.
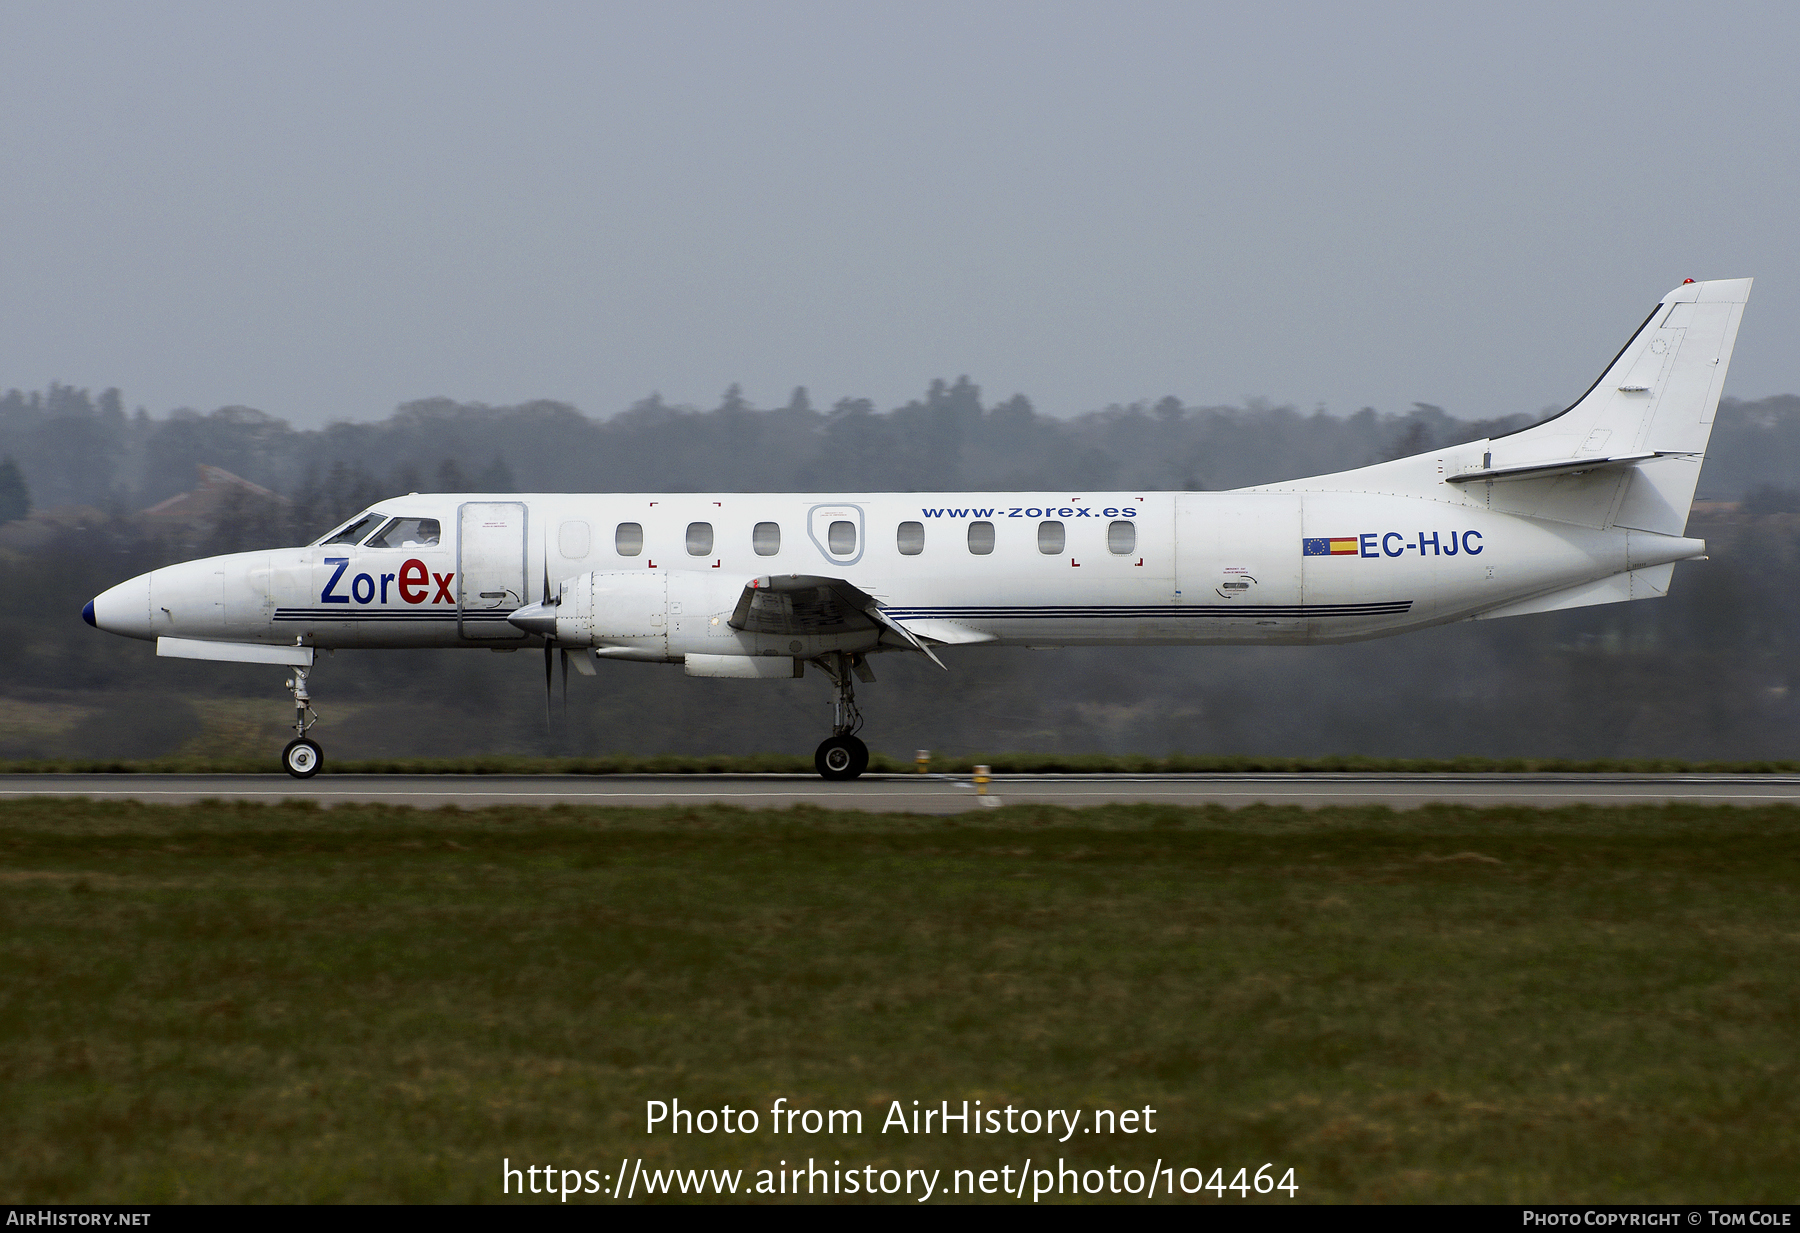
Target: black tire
(302,758)
(841,757)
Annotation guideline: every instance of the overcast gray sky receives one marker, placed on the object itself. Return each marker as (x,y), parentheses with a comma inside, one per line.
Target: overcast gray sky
(323,209)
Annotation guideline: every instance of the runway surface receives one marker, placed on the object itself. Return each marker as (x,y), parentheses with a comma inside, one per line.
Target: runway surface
(928,794)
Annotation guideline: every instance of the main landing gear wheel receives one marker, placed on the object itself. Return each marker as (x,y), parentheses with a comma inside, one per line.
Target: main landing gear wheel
(302,758)
(841,757)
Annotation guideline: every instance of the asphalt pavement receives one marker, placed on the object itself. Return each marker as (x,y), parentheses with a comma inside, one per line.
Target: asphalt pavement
(929,794)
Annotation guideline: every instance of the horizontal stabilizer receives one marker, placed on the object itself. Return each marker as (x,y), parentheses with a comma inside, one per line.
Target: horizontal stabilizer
(1559,466)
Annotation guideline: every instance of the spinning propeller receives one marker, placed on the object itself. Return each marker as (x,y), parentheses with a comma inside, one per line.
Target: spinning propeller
(550,650)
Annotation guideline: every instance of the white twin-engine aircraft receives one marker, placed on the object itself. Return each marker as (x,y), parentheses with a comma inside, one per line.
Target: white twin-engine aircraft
(1587,507)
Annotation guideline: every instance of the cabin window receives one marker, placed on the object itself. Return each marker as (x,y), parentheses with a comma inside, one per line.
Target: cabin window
(1121,538)
(628,540)
(765,538)
(910,539)
(699,539)
(981,538)
(1051,538)
(407,533)
(840,537)
(572,539)
(355,531)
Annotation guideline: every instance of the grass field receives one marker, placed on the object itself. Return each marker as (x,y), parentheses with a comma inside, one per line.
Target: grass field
(225,1002)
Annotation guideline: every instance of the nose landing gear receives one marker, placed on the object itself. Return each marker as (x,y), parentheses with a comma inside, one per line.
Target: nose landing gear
(841,755)
(302,758)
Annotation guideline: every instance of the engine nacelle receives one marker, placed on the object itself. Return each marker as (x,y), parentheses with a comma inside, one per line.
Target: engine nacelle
(668,615)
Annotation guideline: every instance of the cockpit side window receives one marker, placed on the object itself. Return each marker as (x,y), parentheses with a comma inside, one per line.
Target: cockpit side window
(355,531)
(407,533)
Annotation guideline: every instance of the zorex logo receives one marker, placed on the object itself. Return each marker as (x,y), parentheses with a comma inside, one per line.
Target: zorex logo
(412,584)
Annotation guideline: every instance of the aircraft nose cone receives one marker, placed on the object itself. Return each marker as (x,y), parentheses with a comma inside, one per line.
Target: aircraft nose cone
(124,609)
(535,619)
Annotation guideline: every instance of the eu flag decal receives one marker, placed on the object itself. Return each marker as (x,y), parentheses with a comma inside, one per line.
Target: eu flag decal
(1341,547)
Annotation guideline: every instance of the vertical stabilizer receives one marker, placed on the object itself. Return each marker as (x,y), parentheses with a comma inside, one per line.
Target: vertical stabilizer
(1627,454)
(1658,397)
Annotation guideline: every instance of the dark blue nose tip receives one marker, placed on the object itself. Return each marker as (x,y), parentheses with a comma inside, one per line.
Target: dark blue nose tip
(87,613)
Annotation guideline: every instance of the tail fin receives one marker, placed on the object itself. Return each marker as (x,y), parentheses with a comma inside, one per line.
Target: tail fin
(1654,404)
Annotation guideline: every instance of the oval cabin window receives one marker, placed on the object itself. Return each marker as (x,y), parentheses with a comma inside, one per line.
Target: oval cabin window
(841,538)
(628,540)
(765,538)
(699,539)
(1051,538)
(1121,538)
(910,539)
(981,538)
(572,539)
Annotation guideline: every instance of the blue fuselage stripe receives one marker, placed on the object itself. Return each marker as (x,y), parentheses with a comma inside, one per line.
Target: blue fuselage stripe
(991,613)
(1153,611)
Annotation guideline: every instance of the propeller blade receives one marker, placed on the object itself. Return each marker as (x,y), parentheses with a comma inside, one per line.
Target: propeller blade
(548,617)
(549,654)
(549,651)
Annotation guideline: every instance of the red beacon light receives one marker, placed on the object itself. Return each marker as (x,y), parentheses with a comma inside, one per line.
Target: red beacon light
(1686,281)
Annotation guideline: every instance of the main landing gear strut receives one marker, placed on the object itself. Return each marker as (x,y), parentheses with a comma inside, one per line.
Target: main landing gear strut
(302,758)
(841,755)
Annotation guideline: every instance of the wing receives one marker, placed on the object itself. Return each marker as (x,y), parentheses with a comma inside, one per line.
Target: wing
(806,604)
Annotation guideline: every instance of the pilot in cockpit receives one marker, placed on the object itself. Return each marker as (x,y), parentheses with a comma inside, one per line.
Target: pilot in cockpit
(407,533)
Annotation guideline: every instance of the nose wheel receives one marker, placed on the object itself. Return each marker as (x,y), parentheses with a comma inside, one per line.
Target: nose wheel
(302,758)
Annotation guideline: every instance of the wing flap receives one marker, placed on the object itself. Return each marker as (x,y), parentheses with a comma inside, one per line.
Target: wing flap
(802,604)
(789,604)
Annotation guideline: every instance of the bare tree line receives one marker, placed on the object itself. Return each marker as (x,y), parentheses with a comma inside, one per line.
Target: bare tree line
(73,448)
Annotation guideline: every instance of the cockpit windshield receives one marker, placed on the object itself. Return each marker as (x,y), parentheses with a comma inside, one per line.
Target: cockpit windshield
(356,530)
(407,533)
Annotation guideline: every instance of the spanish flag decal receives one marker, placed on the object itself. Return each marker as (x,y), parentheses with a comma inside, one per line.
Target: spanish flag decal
(1330,547)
